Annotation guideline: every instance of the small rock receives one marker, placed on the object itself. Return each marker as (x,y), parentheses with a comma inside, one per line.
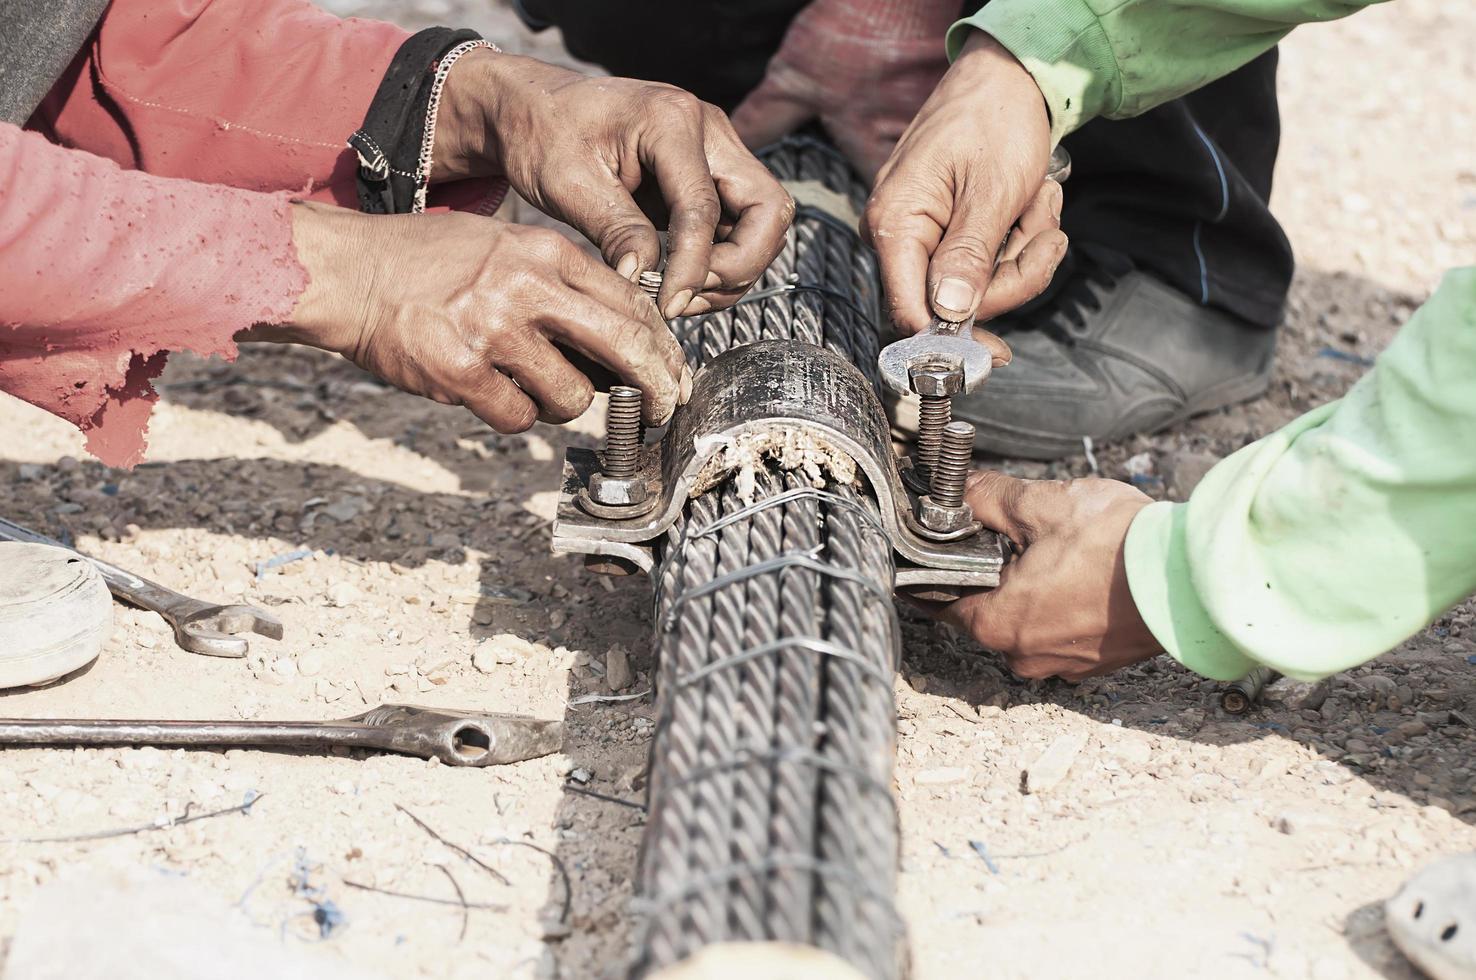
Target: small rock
(1052,765)
(1131,751)
(581,776)
(445,541)
(280,671)
(942,776)
(396,670)
(1301,821)
(345,508)
(617,668)
(1410,729)
(554,929)
(1183,471)
(343,594)
(484,658)
(29,471)
(1377,684)
(309,664)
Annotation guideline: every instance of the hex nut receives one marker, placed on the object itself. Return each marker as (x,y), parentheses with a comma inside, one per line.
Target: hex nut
(944,520)
(936,379)
(617,491)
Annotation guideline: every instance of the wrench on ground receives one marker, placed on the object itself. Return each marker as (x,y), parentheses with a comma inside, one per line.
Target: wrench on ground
(456,738)
(199,627)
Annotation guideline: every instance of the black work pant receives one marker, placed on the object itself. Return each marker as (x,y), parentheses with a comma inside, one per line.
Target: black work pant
(1182,189)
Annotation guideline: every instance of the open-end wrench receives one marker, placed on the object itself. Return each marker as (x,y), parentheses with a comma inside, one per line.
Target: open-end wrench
(457,738)
(947,346)
(199,627)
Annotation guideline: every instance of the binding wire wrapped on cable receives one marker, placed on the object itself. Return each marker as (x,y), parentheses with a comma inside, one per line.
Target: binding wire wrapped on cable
(771,812)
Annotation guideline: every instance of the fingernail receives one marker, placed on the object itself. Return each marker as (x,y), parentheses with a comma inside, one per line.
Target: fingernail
(678,304)
(954,295)
(1060,254)
(684,393)
(1057,200)
(627,265)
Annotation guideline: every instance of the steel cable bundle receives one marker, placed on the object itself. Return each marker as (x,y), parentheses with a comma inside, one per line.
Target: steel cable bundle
(771,815)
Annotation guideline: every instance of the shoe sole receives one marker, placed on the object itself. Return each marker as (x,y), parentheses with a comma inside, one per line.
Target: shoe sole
(1001,440)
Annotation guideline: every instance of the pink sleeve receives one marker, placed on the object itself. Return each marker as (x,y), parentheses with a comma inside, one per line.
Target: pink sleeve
(103,270)
(257,94)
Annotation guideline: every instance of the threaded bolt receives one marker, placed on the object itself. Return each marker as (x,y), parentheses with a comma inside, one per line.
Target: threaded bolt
(623,432)
(954,456)
(934,414)
(650,283)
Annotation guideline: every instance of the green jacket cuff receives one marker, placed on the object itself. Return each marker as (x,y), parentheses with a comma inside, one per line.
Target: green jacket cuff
(1163,590)
(1063,46)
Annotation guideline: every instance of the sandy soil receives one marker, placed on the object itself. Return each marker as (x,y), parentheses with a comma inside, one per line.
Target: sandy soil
(1183,842)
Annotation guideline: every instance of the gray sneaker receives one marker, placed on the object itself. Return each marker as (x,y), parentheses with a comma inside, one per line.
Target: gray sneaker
(1111,353)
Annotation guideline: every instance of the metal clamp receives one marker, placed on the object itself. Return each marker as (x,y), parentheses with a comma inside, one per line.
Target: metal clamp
(747,392)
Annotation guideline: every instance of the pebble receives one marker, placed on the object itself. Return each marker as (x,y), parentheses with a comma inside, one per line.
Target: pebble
(1300,821)
(309,664)
(617,668)
(343,594)
(484,658)
(554,929)
(1184,470)
(1050,768)
(942,776)
(1410,729)
(1132,751)
(581,776)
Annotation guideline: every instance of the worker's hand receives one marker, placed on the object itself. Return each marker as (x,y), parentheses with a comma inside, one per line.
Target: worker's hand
(1062,607)
(969,169)
(586,150)
(472,311)
(861,67)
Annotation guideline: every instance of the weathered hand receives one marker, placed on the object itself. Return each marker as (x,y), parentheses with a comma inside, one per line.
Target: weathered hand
(586,149)
(861,67)
(472,311)
(1063,607)
(968,171)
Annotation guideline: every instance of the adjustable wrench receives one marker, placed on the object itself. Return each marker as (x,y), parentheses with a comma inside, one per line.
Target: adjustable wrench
(199,627)
(457,738)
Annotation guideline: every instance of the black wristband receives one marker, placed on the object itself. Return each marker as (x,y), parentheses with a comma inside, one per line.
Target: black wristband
(388,144)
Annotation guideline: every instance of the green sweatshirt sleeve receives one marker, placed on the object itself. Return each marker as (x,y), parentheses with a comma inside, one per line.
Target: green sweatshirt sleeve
(1120,58)
(1327,543)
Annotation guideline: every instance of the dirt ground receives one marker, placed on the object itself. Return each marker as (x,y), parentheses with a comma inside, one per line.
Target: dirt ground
(1183,842)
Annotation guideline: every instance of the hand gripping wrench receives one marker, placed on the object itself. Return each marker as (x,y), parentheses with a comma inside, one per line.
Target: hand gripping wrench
(199,627)
(457,738)
(950,347)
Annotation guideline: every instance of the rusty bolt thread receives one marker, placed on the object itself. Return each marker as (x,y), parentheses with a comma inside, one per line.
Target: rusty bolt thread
(955,454)
(623,432)
(934,414)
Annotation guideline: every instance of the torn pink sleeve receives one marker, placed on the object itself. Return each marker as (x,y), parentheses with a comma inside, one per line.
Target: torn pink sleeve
(104,270)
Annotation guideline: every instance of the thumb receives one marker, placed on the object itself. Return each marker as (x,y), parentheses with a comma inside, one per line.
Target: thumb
(963,263)
(769,113)
(996,500)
